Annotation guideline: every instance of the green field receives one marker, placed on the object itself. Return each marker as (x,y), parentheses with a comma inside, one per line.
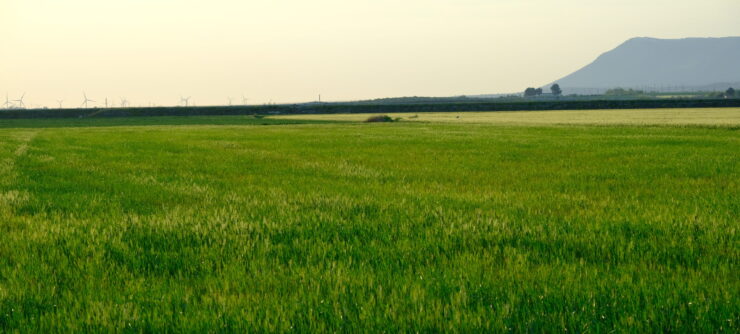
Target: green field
(242,224)
(664,117)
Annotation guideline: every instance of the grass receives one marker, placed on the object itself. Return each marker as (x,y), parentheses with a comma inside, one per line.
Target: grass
(706,116)
(411,226)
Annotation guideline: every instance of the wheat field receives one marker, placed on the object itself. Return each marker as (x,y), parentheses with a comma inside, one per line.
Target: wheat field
(241,224)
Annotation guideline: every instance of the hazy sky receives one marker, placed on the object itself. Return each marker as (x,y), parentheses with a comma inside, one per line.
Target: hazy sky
(291,51)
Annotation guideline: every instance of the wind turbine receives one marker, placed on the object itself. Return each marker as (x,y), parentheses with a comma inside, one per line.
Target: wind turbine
(7,102)
(60,103)
(185,100)
(86,100)
(20,101)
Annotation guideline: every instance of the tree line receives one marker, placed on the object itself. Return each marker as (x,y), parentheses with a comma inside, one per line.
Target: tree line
(556,91)
(531,91)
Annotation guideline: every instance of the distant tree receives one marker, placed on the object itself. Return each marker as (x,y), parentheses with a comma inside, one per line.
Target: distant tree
(623,92)
(555,89)
(532,92)
(730,92)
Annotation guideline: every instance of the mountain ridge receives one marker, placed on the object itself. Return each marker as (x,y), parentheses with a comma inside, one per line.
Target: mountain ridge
(657,64)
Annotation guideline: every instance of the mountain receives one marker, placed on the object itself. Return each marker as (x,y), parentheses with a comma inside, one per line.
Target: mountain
(661,65)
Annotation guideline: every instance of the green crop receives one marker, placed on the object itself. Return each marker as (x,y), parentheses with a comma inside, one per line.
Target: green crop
(208,224)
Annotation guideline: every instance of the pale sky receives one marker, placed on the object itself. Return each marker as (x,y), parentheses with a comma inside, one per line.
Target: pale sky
(154,51)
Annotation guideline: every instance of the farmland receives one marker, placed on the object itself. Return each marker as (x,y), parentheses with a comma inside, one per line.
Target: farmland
(529,222)
(641,117)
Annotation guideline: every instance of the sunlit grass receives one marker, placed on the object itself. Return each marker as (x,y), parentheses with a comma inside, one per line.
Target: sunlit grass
(706,116)
(234,226)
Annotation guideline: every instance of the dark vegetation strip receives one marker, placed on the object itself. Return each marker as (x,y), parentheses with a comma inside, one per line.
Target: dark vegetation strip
(41,123)
(350,108)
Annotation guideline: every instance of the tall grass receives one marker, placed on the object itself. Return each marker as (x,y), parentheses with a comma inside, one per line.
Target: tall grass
(363,227)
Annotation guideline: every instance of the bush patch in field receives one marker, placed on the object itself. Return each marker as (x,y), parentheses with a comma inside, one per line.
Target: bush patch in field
(379,119)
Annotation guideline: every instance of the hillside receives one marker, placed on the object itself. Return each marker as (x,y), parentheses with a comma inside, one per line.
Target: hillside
(661,64)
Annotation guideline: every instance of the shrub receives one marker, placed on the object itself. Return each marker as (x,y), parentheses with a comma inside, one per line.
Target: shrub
(379,118)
